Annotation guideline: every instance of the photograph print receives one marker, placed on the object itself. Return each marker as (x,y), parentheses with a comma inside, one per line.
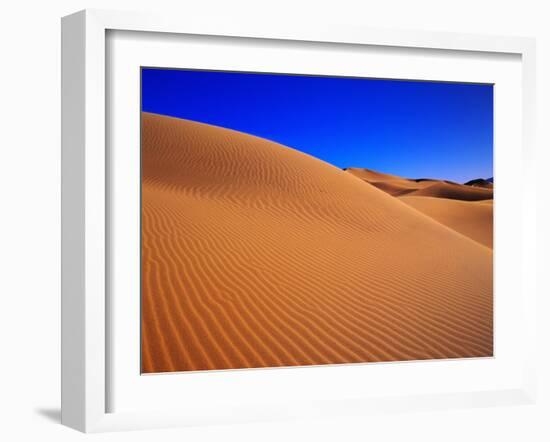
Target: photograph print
(298,220)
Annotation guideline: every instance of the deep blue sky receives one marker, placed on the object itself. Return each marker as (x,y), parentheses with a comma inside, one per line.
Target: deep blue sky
(409,128)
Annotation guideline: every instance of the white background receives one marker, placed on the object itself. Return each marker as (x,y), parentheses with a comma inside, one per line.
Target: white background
(30,230)
(210,393)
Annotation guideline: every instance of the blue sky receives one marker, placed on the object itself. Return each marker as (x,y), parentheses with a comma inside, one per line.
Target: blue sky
(409,128)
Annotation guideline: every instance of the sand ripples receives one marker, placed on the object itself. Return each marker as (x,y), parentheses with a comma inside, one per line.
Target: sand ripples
(256,255)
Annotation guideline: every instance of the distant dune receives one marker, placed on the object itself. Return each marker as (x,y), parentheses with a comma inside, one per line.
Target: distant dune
(454,191)
(472,219)
(449,203)
(397,186)
(480,182)
(392,184)
(257,255)
(373,176)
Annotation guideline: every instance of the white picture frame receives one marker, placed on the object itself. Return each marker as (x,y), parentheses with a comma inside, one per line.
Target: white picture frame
(86,202)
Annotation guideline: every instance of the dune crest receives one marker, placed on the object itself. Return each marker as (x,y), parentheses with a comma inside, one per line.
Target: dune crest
(257,255)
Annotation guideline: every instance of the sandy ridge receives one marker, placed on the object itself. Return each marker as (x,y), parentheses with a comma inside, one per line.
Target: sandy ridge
(257,255)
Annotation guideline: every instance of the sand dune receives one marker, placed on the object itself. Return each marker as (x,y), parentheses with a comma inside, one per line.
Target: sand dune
(472,219)
(447,202)
(454,191)
(480,182)
(257,255)
(392,184)
(394,188)
(373,176)
(399,186)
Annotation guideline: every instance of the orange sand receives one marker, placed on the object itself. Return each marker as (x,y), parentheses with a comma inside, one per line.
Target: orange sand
(472,219)
(257,255)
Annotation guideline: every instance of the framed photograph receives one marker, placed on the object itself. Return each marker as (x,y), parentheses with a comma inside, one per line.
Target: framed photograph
(265,222)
